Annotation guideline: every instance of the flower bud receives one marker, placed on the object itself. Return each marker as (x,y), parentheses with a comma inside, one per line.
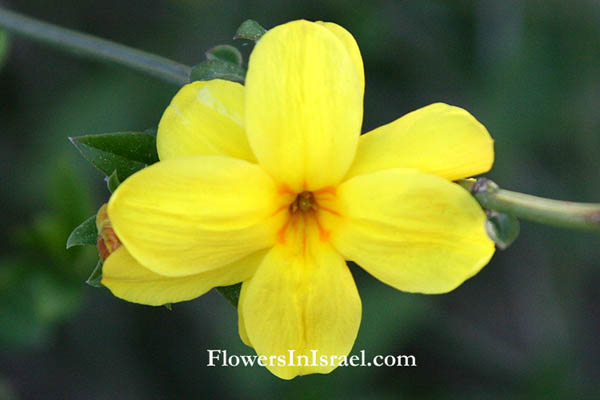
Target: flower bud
(108,241)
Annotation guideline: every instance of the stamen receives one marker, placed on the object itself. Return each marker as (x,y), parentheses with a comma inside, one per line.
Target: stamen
(305,210)
(304,202)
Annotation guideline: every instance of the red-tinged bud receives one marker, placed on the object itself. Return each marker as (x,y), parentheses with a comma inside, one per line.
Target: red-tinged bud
(108,241)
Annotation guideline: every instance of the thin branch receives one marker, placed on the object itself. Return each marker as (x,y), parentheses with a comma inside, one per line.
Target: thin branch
(92,47)
(566,214)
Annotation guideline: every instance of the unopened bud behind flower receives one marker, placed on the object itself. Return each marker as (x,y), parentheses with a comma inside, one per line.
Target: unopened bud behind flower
(108,241)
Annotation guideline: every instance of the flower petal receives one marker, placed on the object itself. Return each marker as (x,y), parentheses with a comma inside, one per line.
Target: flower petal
(414,231)
(439,139)
(205,117)
(241,323)
(189,215)
(129,280)
(351,46)
(302,300)
(303,105)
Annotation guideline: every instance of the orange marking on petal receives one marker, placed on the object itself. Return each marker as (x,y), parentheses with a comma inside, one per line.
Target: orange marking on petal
(281,232)
(323,233)
(280,209)
(285,189)
(304,234)
(326,190)
(330,211)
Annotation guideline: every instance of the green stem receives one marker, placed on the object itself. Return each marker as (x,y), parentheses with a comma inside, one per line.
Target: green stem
(96,48)
(490,196)
(566,214)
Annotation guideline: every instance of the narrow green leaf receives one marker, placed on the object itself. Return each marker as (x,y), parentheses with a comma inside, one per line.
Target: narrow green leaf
(124,152)
(503,229)
(84,234)
(250,29)
(137,146)
(217,69)
(231,293)
(225,52)
(113,181)
(96,277)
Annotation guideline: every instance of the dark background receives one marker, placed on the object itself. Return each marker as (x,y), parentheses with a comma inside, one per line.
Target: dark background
(527,326)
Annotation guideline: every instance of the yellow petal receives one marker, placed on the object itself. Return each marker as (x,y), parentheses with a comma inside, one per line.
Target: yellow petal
(129,280)
(241,324)
(205,118)
(189,215)
(414,231)
(302,300)
(439,139)
(303,105)
(351,46)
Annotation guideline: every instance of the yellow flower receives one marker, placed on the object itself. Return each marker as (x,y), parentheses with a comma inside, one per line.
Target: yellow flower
(271,184)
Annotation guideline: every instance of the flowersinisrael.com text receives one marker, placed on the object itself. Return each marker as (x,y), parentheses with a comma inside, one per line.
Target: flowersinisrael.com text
(220,358)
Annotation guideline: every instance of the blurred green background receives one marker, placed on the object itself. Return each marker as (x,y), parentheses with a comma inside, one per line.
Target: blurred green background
(527,326)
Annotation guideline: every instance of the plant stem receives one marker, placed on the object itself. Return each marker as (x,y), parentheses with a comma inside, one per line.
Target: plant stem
(565,214)
(488,194)
(90,46)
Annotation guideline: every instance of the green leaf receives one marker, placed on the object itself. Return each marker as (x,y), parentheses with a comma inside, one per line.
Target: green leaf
(217,69)
(225,52)
(84,234)
(96,276)
(250,29)
(113,181)
(124,152)
(231,293)
(503,229)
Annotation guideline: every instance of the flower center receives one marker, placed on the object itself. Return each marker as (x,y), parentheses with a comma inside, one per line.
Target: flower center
(306,214)
(304,202)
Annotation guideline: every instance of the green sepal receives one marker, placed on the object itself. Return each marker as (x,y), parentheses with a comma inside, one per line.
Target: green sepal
(168,306)
(502,228)
(231,293)
(217,69)
(112,181)
(96,276)
(85,234)
(250,29)
(226,53)
(124,152)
